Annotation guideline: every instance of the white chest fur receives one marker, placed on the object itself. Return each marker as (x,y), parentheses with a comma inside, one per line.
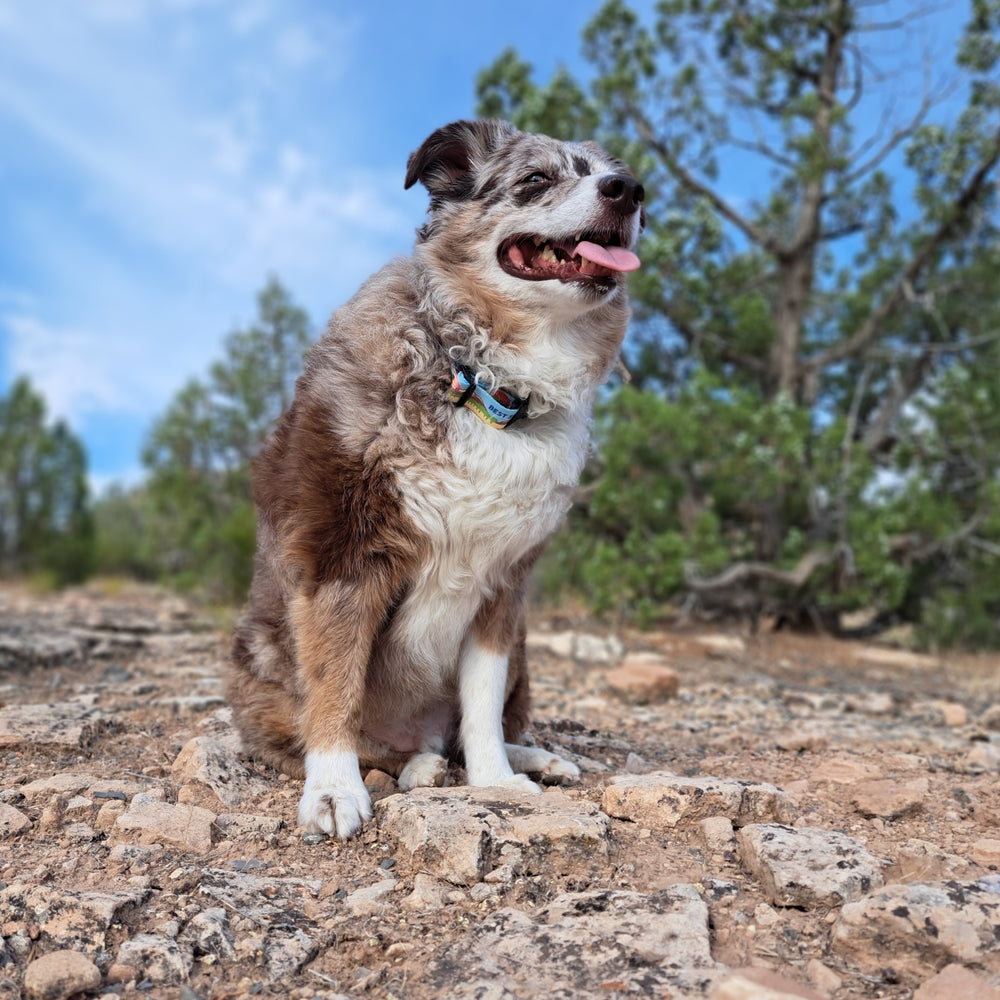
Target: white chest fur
(498,494)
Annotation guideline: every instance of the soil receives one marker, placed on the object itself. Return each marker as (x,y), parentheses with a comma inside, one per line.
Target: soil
(845,729)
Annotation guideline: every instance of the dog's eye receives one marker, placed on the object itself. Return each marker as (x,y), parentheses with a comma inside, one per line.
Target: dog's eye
(536,177)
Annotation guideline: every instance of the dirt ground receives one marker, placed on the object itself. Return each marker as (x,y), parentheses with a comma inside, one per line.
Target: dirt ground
(897,750)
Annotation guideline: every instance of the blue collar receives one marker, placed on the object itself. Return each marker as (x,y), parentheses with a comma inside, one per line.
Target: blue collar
(498,409)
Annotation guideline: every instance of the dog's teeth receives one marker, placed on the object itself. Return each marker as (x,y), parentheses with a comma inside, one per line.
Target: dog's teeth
(549,255)
(537,240)
(578,237)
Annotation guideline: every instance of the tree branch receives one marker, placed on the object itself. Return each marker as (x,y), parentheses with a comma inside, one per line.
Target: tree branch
(872,326)
(740,572)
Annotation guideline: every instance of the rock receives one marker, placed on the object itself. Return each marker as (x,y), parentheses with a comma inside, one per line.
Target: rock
(986,852)
(717,834)
(461,834)
(213,775)
(586,944)
(845,770)
(823,977)
(721,646)
(379,783)
(901,658)
(800,741)
(953,713)
(12,821)
(248,826)
(65,724)
(954,982)
(984,757)
(597,648)
(159,959)
(915,929)
(208,933)
(807,867)
(428,894)
(155,822)
(888,798)
(557,643)
(69,918)
(990,719)
(64,783)
(921,861)
(60,974)
(661,800)
(761,984)
(370,899)
(643,678)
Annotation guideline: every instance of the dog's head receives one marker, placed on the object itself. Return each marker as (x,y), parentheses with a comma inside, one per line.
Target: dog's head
(539,223)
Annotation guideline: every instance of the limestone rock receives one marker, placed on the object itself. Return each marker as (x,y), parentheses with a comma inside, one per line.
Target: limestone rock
(156,822)
(60,974)
(666,800)
(370,899)
(917,928)
(761,984)
(213,775)
(208,933)
(158,959)
(586,944)
(462,833)
(69,918)
(64,724)
(643,678)
(12,821)
(807,867)
(954,982)
(890,799)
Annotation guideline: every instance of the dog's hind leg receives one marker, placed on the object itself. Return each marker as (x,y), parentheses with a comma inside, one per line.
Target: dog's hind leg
(423,770)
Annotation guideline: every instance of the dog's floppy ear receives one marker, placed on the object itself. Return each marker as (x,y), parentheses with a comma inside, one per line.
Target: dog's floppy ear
(443,164)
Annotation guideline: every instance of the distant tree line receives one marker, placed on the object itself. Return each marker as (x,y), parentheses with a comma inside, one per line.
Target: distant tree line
(809,427)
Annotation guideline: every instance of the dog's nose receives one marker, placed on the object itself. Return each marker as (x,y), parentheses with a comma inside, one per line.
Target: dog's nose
(624,192)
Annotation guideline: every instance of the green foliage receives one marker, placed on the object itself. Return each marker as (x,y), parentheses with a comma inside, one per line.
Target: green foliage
(192,522)
(814,363)
(46,523)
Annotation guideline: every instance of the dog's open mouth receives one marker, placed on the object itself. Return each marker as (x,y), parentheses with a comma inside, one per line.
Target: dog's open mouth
(535,258)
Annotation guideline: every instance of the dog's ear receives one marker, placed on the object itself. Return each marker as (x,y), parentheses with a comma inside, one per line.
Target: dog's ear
(445,161)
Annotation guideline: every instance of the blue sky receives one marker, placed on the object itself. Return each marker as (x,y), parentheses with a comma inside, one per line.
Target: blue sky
(160,158)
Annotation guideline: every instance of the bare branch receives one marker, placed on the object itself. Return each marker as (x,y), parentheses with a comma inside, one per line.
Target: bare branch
(740,572)
(873,325)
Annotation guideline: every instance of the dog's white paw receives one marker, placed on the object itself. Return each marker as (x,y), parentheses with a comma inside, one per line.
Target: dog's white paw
(334,799)
(519,783)
(423,770)
(543,765)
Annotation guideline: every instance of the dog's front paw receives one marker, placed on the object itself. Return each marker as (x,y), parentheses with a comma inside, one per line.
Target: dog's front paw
(334,799)
(520,783)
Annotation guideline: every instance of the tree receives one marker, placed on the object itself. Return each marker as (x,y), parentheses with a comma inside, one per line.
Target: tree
(46,523)
(200,517)
(819,269)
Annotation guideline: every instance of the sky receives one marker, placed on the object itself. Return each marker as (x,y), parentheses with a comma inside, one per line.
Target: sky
(160,159)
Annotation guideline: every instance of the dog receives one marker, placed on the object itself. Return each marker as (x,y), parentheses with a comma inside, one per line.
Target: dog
(435,441)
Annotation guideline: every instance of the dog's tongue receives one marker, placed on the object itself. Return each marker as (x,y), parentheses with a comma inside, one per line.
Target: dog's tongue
(613,258)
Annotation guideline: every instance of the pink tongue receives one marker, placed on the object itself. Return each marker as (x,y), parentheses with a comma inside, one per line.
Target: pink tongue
(613,258)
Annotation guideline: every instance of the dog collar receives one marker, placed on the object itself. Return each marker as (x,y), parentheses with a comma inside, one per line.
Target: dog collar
(498,409)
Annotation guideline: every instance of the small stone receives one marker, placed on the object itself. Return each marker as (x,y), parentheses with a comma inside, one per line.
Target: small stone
(57,784)
(661,800)
(984,757)
(643,679)
(155,822)
(248,826)
(597,649)
(807,867)
(60,974)
(379,783)
(12,821)
(428,894)
(990,719)
(634,764)
(798,741)
(213,776)
(721,646)
(371,899)
(986,852)
(823,977)
(717,834)
(161,959)
(954,982)
(890,799)
(761,984)
(845,770)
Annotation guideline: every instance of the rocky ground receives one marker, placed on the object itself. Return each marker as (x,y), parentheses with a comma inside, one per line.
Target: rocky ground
(759,818)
